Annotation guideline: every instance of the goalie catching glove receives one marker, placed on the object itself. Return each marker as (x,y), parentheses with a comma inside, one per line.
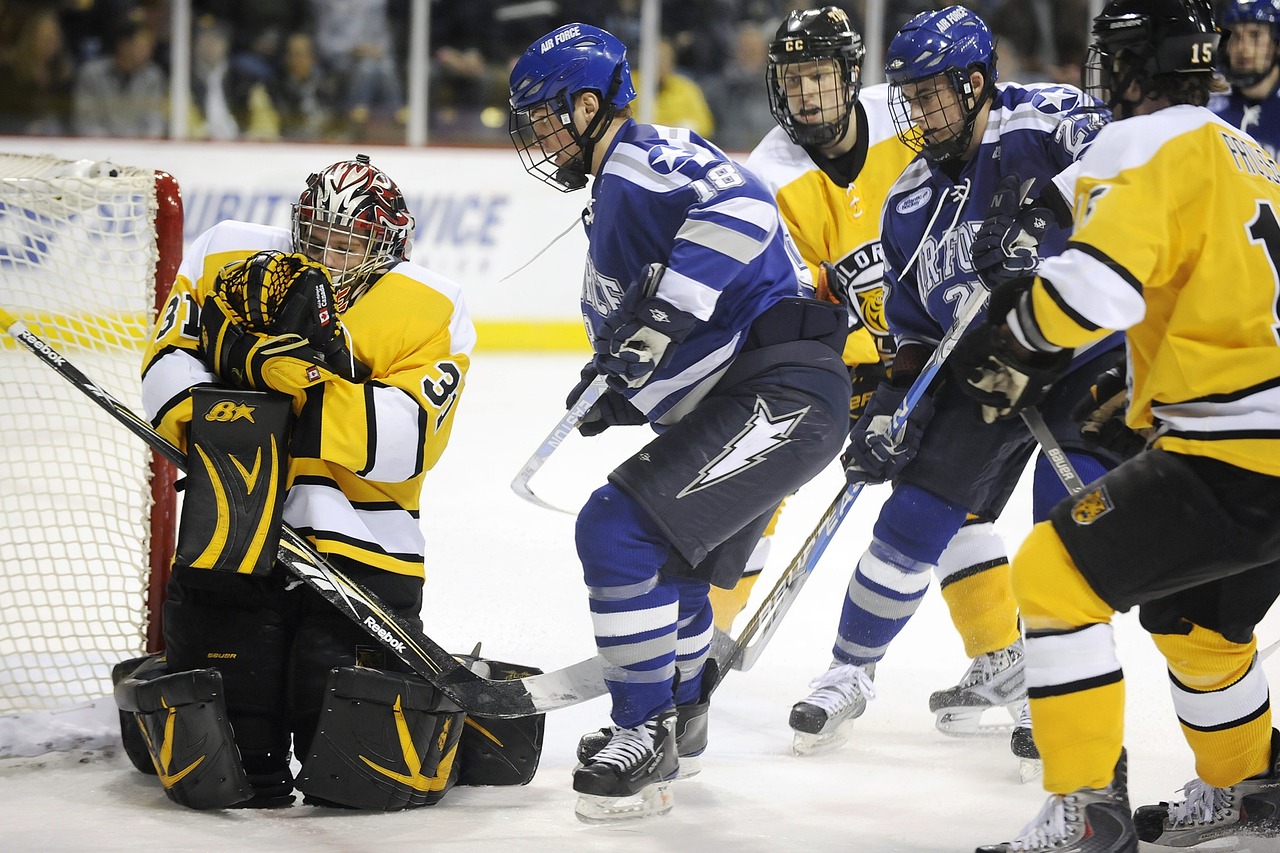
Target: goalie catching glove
(269,324)
(997,367)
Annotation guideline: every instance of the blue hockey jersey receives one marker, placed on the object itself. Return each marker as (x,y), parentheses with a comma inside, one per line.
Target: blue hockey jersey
(1259,119)
(930,218)
(665,195)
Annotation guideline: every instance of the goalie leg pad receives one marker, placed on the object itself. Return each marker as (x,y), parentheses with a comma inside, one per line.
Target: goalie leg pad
(501,751)
(386,741)
(235,484)
(131,734)
(183,719)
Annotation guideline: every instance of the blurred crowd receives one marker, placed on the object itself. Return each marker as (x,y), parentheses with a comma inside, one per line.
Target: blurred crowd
(335,70)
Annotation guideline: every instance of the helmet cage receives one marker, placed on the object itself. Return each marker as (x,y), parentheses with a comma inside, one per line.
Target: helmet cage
(1266,12)
(353,219)
(545,131)
(1132,45)
(801,41)
(922,132)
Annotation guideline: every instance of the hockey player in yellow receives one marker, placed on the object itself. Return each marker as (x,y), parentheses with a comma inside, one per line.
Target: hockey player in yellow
(830,163)
(312,376)
(1185,261)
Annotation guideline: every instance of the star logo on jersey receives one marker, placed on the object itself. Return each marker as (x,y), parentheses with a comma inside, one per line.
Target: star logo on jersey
(762,435)
(665,159)
(1054,98)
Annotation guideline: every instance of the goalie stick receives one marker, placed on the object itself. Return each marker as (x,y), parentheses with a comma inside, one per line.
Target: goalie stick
(757,633)
(472,693)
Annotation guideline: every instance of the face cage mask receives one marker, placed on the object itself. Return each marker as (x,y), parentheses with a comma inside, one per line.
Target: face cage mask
(529,134)
(315,230)
(914,134)
(1098,77)
(1241,79)
(813,134)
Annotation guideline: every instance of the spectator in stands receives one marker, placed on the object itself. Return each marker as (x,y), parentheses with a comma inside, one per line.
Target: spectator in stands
(38,76)
(226,103)
(680,101)
(123,93)
(356,44)
(303,94)
(737,95)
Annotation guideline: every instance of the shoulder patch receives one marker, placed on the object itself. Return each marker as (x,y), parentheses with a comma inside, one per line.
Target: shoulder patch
(1094,505)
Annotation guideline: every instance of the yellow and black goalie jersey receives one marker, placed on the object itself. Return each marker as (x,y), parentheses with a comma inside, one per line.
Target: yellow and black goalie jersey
(1177,241)
(358,452)
(840,223)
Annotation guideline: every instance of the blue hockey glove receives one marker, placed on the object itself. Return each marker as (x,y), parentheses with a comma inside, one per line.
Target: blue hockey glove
(610,409)
(998,371)
(637,335)
(872,455)
(1006,245)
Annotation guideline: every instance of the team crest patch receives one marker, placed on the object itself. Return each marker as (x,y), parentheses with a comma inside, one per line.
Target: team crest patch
(1094,505)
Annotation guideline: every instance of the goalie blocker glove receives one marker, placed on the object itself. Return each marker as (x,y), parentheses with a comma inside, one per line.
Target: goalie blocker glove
(1004,363)
(634,338)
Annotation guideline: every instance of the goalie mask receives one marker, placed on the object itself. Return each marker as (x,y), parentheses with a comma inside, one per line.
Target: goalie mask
(814,74)
(1150,43)
(353,219)
(928,67)
(545,83)
(1253,49)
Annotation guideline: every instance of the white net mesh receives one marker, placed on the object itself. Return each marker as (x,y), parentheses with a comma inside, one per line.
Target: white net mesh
(77,265)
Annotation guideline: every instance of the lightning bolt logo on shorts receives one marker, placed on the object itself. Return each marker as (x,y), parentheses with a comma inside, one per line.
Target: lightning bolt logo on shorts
(762,435)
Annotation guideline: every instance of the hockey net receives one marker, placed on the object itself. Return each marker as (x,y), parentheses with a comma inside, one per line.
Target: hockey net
(86,512)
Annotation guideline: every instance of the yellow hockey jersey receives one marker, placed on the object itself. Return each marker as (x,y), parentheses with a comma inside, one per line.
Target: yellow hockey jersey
(838,223)
(1177,242)
(358,452)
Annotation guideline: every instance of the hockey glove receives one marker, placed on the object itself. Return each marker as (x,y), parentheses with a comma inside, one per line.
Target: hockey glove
(996,370)
(635,337)
(1101,415)
(866,378)
(873,456)
(1006,245)
(610,409)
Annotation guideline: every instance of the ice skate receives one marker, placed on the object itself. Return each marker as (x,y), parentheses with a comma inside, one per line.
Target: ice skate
(1244,817)
(822,719)
(691,729)
(1022,745)
(994,680)
(1090,820)
(630,776)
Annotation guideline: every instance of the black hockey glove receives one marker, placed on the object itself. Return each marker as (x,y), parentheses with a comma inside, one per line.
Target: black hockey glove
(873,456)
(1101,414)
(1006,245)
(866,378)
(996,370)
(610,409)
(636,336)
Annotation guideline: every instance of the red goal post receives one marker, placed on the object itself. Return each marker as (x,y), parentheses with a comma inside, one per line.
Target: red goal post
(88,251)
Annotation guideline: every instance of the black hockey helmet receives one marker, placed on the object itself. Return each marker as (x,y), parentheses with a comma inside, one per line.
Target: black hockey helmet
(1142,40)
(812,100)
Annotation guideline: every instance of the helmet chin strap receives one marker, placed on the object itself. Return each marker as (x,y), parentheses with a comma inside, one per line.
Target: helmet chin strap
(574,173)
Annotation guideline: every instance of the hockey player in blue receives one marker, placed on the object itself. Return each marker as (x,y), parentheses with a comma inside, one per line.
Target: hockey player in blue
(1252,65)
(701,315)
(978,145)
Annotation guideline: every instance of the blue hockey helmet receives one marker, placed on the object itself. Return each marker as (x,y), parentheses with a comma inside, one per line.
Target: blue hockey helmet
(1152,43)
(814,74)
(949,44)
(1252,12)
(545,81)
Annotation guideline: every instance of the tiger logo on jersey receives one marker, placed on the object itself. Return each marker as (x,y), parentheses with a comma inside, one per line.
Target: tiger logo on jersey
(1094,505)
(860,283)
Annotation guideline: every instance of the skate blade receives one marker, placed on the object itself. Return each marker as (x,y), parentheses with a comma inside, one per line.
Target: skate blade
(1029,769)
(805,744)
(968,722)
(1231,844)
(651,801)
(690,766)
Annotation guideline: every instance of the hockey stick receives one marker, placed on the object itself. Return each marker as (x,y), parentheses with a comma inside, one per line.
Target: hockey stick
(1053,451)
(562,430)
(471,692)
(757,633)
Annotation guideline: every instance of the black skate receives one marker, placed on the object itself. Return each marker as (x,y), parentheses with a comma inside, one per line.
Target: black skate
(821,721)
(691,729)
(630,776)
(1023,746)
(1220,819)
(1090,820)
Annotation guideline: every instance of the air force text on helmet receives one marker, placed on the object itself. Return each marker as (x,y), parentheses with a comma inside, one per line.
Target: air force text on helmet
(957,14)
(559,37)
